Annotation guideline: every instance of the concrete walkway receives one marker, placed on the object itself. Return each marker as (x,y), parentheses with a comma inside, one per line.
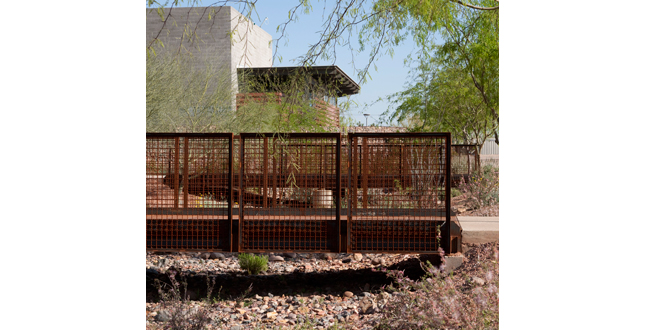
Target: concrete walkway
(479,229)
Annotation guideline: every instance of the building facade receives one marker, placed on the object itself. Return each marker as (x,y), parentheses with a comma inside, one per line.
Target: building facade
(222,39)
(217,37)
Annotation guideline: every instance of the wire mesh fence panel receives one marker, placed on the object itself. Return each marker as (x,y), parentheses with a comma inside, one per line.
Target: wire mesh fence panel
(399,191)
(188,191)
(344,173)
(308,192)
(162,155)
(289,192)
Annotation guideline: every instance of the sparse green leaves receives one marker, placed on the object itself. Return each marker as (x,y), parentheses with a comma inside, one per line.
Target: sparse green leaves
(454,83)
(181,98)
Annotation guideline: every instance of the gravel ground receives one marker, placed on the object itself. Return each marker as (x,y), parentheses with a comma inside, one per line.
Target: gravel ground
(463,207)
(486,211)
(322,289)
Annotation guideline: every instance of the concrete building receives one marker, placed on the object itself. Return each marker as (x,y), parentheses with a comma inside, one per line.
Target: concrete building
(223,39)
(216,37)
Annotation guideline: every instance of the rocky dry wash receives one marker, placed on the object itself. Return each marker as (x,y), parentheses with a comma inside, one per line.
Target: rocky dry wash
(315,289)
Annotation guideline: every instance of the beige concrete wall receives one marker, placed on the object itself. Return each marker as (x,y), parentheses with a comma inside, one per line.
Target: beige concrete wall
(219,38)
(190,31)
(251,46)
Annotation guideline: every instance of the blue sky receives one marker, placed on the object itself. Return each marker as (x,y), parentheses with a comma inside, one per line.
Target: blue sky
(390,77)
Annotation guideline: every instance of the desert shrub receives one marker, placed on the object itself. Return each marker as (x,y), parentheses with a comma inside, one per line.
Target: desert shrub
(252,263)
(176,303)
(483,188)
(454,192)
(439,301)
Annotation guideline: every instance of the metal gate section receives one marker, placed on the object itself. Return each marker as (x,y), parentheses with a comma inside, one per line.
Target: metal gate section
(400,192)
(289,192)
(188,191)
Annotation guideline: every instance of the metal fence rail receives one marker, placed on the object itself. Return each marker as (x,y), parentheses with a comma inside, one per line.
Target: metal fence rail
(188,191)
(314,192)
(400,192)
(287,189)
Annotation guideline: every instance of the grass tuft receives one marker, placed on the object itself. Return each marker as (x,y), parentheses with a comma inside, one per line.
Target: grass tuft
(252,263)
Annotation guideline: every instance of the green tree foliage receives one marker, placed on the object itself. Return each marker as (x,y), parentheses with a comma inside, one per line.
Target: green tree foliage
(293,103)
(468,45)
(443,99)
(380,25)
(472,46)
(182,98)
(455,83)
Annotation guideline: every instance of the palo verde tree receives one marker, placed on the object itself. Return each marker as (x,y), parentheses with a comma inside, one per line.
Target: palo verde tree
(442,99)
(181,98)
(454,85)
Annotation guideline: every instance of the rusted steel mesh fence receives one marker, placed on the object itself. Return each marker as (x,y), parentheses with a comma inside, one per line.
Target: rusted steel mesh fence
(188,191)
(315,192)
(399,191)
(287,192)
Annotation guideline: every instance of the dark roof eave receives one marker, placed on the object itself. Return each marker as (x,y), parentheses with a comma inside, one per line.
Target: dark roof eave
(347,85)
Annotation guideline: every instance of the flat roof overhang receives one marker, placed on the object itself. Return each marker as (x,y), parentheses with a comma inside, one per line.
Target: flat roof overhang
(329,74)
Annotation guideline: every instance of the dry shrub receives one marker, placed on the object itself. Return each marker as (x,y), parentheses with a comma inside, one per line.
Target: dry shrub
(176,302)
(441,301)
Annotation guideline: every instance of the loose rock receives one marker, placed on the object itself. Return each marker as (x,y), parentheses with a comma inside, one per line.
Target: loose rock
(478,281)
(163,316)
(367,306)
(276,258)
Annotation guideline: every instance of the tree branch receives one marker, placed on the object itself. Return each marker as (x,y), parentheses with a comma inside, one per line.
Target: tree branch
(475,7)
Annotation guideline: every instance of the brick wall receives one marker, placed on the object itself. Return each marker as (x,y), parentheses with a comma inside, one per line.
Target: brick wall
(243,99)
(332,114)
